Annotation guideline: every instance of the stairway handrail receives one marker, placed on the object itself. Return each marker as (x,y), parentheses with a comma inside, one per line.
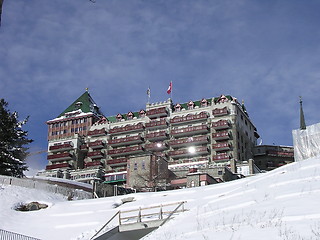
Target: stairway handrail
(105,225)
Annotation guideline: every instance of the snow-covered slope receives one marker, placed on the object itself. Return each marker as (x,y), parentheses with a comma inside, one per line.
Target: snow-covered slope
(281,204)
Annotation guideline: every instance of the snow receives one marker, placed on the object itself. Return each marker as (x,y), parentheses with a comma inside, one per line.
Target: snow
(281,204)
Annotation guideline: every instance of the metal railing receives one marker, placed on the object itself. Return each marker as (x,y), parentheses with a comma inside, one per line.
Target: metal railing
(6,235)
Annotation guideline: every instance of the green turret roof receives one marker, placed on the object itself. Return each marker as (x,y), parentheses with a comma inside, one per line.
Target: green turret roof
(85,103)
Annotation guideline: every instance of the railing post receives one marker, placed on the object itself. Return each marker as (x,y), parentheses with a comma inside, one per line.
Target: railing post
(119,217)
(139,215)
(161,217)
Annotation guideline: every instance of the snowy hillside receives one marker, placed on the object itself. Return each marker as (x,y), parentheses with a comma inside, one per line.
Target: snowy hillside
(282,204)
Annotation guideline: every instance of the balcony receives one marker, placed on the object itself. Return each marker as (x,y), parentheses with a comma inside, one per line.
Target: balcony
(84,147)
(222,124)
(189,118)
(156,146)
(59,157)
(222,135)
(220,112)
(61,147)
(201,129)
(93,164)
(189,141)
(280,154)
(157,136)
(125,151)
(97,144)
(185,152)
(157,112)
(97,132)
(221,157)
(157,124)
(58,166)
(125,141)
(221,146)
(117,162)
(126,129)
(95,154)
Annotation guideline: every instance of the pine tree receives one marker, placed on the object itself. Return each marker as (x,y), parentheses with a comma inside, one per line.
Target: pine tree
(12,142)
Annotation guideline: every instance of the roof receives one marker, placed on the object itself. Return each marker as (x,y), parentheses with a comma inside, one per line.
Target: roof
(85,103)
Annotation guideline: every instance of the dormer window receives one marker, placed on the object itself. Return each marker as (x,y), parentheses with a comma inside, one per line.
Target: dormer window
(222,99)
(204,103)
(78,105)
(142,113)
(190,105)
(130,115)
(177,107)
(119,117)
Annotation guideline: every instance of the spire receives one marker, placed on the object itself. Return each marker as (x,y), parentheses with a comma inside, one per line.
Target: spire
(302,121)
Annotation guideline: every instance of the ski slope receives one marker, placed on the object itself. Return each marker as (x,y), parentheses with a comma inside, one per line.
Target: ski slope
(281,204)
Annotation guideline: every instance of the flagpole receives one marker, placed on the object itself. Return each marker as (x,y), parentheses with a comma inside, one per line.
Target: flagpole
(171,90)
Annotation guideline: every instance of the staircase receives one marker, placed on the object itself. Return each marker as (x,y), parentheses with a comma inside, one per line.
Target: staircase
(136,223)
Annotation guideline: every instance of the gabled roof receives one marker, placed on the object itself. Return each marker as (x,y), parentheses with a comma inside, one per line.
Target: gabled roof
(85,103)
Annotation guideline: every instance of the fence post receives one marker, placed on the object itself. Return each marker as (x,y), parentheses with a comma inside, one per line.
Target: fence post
(161,217)
(139,215)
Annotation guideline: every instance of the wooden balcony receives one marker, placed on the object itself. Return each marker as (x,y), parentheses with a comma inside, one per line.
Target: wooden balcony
(189,118)
(117,162)
(157,112)
(188,141)
(61,147)
(95,154)
(125,141)
(221,135)
(58,166)
(156,146)
(125,151)
(221,146)
(201,129)
(157,124)
(222,124)
(126,129)
(97,132)
(185,152)
(59,157)
(97,144)
(93,164)
(217,112)
(157,136)
(221,157)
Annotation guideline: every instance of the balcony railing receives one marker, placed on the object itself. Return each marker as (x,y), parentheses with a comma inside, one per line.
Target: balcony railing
(280,153)
(222,124)
(221,135)
(190,130)
(93,164)
(157,124)
(221,146)
(59,165)
(157,112)
(127,128)
(97,144)
(185,152)
(59,157)
(156,146)
(117,162)
(97,132)
(125,141)
(220,112)
(61,147)
(125,151)
(189,118)
(221,157)
(188,141)
(95,154)
(157,136)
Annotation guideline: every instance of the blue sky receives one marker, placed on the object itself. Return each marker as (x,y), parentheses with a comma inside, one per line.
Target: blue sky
(264,52)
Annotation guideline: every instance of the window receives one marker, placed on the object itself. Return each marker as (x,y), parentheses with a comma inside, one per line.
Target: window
(84,128)
(143,165)
(72,130)
(76,130)
(220,172)
(135,166)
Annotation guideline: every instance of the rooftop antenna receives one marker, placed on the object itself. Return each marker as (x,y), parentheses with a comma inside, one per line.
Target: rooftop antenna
(302,120)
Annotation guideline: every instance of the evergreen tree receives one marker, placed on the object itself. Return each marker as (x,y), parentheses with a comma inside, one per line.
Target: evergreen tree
(12,142)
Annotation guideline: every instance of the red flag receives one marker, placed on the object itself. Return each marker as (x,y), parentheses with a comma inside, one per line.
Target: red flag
(169,88)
